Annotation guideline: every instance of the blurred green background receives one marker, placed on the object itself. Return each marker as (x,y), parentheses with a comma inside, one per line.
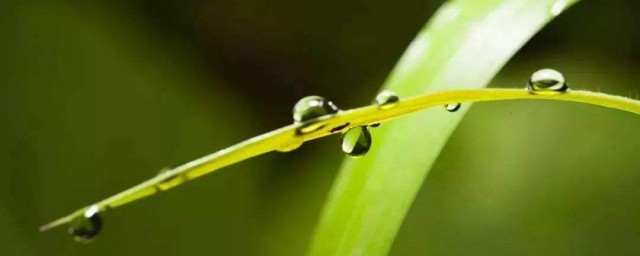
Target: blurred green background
(97,96)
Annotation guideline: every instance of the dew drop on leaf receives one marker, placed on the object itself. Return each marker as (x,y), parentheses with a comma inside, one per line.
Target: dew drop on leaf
(386,99)
(356,141)
(290,147)
(453,107)
(547,82)
(86,226)
(311,107)
(164,170)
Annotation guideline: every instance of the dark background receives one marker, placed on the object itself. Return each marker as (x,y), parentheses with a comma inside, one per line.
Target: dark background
(96,96)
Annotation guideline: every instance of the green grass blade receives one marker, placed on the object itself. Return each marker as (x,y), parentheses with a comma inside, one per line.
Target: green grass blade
(463,46)
(292,136)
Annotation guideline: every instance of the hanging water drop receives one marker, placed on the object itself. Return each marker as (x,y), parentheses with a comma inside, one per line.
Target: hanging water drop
(290,147)
(356,141)
(386,99)
(311,107)
(86,226)
(452,107)
(547,82)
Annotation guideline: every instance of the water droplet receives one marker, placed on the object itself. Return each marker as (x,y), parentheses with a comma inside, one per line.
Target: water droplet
(356,141)
(452,107)
(386,99)
(166,169)
(311,107)
(374,125)
(86,226)
(290,147)
(548,82)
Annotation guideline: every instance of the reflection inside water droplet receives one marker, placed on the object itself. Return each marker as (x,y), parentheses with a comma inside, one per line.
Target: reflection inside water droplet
(548,82)
(356,141)
(452,107)
(311,107)
(386,99)
(86,226)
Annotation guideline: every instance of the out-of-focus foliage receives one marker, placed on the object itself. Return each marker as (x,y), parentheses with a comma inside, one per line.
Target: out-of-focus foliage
(96,96)
(561,180)
(462,47)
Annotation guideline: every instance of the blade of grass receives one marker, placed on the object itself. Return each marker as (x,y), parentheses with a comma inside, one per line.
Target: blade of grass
(465,45)
(328,125)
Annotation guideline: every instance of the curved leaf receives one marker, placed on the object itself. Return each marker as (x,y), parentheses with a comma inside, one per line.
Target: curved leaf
(463,46)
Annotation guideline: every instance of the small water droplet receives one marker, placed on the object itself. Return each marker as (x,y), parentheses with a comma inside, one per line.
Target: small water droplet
(386,99)
(166,169)
(290,147)
(311,107)
(356,141)
(452,107)
(547,82)
(86,226)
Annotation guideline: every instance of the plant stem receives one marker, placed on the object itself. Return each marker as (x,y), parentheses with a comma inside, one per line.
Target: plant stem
(325,126)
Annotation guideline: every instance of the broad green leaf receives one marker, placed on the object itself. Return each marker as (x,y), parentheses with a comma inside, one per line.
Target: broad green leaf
(463,46)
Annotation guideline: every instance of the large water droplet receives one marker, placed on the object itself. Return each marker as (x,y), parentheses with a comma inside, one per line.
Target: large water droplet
(386,99)
(548,82)
(311,107)
(356,141)
(86,226)
(452,107)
